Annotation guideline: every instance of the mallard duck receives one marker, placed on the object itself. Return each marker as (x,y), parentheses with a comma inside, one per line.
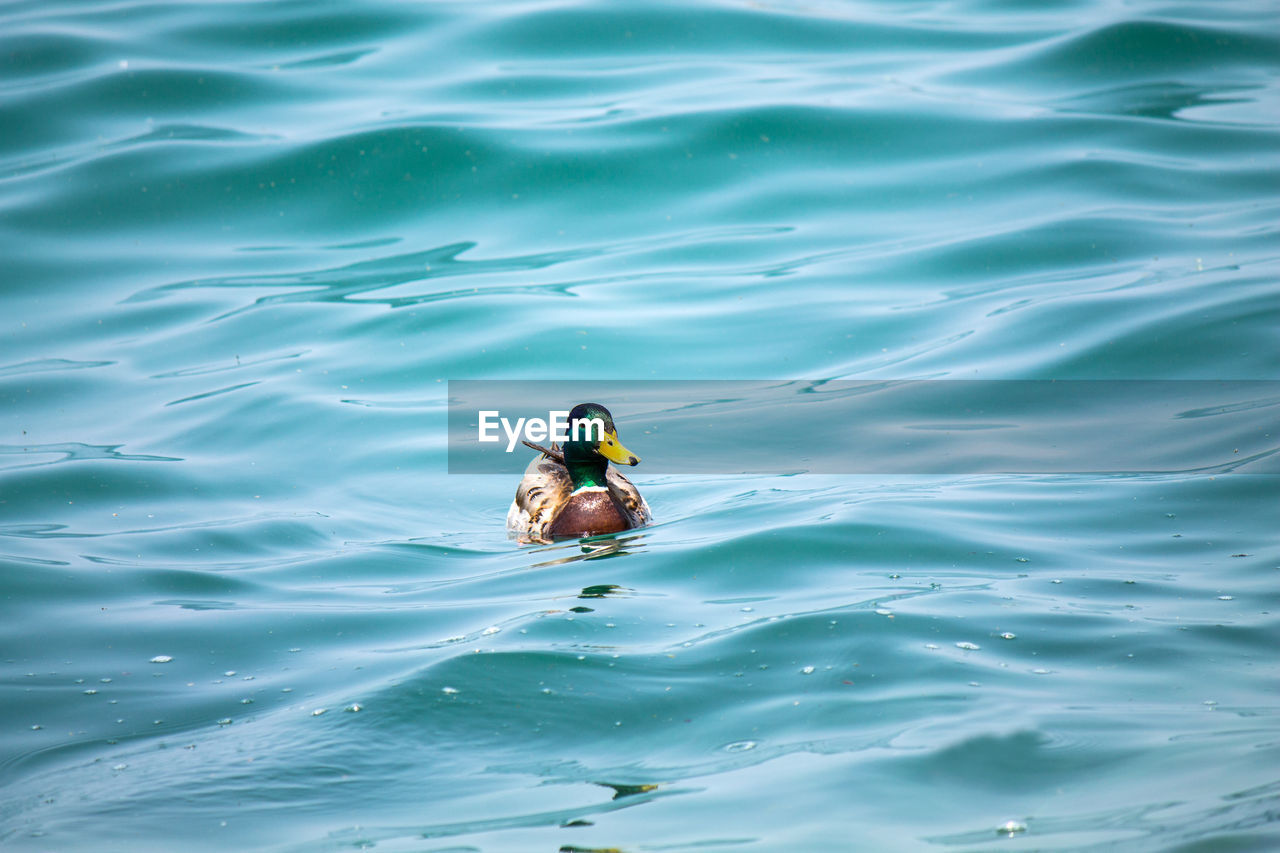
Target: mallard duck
(574,492)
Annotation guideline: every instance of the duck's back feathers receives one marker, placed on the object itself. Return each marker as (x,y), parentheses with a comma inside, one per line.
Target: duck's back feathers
(543,490)
(545,506)
(629,498)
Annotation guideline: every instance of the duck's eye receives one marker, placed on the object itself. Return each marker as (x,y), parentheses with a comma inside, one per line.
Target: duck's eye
(609,441)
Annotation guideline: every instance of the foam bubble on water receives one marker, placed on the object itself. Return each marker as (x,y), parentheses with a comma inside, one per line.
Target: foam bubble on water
(968,646)
(492,629)
(229,673)
(1008,635)
(161,659)
(225,721)
(880,611)
(318,711)
(808,670)
(449,690)
(353,708)
(931,645)
(740,746)
(1226,597)
(120,767)
(1011,827)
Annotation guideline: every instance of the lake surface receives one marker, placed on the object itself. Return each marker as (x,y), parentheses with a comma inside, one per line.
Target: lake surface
(245,247)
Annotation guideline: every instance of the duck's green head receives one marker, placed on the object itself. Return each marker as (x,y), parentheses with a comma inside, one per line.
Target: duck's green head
(593,443)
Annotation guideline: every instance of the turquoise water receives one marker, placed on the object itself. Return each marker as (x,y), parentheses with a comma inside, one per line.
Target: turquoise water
(246,245)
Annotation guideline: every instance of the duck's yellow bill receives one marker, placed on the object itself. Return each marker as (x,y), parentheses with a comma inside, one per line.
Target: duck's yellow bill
(613,450)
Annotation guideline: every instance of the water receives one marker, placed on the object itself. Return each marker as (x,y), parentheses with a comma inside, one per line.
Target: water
(246,245)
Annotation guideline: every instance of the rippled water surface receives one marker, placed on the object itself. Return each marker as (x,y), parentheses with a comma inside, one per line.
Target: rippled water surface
(244,246)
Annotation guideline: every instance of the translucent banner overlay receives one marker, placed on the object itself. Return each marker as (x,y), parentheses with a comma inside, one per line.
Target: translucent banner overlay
(890,426)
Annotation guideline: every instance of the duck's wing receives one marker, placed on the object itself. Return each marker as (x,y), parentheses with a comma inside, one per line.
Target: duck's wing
(629,497)
(542,492)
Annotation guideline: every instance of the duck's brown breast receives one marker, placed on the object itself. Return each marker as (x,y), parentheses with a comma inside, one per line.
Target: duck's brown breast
(589,513)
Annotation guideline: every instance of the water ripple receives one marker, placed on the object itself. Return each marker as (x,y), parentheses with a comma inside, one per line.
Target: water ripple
(73,451)
(44,365)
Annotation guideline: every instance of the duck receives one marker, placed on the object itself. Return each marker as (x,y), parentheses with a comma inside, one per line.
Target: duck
(573,492)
